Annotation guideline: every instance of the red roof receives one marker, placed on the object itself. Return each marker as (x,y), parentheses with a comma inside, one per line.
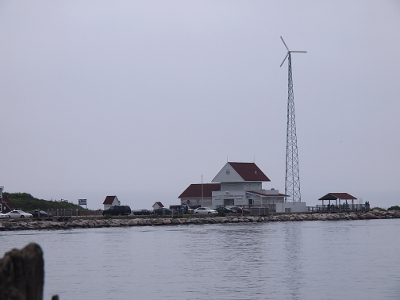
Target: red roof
(194,190)
(159,204)
(335,196)
(249,171)
(109,199)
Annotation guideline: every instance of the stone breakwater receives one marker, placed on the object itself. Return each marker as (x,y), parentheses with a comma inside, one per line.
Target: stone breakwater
(8,225)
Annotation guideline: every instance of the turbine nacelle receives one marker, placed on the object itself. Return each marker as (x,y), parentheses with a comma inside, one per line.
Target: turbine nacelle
(288,52)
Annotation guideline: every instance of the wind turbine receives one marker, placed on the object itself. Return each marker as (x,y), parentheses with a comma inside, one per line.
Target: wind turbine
(292,176)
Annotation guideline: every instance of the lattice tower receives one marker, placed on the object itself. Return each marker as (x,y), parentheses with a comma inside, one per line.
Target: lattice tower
(292,175)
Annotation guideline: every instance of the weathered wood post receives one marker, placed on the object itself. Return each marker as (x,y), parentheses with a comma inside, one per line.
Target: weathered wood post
(22,274)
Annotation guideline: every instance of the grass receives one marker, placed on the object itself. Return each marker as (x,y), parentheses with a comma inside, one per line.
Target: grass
(27,202)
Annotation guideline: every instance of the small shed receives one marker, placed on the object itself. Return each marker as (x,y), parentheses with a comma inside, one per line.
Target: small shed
(111,201)
(157,205)
(345,197)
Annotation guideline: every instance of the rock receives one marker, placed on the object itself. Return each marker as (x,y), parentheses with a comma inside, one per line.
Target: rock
(22,274)
(370,215)
(353,216)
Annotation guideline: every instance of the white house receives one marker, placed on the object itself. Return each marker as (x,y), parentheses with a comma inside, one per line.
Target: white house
(111,201)
(157,205)
(239,184)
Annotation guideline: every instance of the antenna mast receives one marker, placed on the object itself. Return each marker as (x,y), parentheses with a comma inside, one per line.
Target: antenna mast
(292,176)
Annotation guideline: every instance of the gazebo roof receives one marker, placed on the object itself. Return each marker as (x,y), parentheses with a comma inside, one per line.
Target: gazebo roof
(336,196)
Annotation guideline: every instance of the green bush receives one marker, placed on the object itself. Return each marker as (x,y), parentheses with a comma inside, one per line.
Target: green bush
(27,202)
(379,208)
(221,214)
(396,207)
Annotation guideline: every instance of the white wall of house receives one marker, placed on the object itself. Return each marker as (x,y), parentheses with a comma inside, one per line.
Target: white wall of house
(229,198)
(247,186)
(265,201)
(206,201)
(156,206)
(253,186)
(227,174)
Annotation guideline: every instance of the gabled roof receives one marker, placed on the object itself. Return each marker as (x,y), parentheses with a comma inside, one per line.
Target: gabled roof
(159,204)
(109,199)
(249,171)
(336,196)
(194,190)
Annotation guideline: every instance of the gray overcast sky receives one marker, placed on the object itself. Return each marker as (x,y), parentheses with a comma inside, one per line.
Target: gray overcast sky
(140,98)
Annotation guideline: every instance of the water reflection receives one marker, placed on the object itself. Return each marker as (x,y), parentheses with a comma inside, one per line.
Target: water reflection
(293,258)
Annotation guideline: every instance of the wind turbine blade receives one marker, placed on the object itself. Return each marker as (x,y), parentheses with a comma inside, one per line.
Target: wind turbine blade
(298,51)
(285,44)
(284,59)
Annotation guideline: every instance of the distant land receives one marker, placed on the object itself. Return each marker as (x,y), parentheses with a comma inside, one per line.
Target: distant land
(27,202)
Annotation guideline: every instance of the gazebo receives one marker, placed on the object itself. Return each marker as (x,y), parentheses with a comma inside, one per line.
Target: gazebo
(338,196)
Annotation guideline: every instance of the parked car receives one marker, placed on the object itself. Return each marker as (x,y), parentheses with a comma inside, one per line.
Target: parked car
(118,210)
(36,213)
(224,209)
(162,211)
(188,209)
(240,210)
(4,216)
(142,212)
(17,214)
(205,211)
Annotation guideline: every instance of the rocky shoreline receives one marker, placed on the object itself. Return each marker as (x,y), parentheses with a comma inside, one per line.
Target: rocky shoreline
(10,225)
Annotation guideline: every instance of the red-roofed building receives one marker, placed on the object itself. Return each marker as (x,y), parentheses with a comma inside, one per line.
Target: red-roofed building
(199,194)
(236,184)
(111,201)
(345,197)
(157,205)
(241,185)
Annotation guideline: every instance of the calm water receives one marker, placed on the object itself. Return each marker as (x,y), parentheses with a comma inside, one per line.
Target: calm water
(285,260)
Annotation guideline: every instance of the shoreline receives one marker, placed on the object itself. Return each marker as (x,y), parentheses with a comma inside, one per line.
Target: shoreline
(34,224)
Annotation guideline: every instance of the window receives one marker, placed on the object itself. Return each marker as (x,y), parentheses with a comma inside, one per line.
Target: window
(228,202)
